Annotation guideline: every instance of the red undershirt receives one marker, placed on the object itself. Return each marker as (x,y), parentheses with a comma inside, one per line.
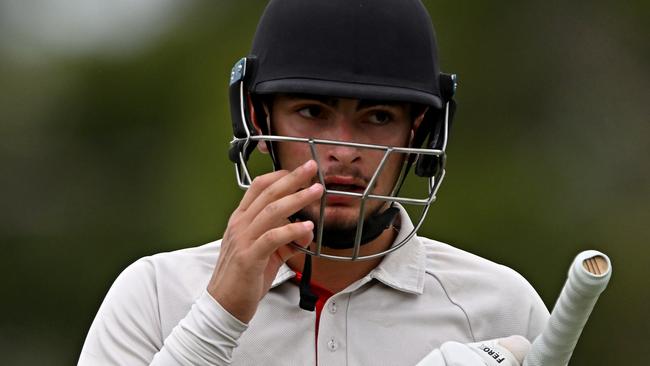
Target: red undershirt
(323,295)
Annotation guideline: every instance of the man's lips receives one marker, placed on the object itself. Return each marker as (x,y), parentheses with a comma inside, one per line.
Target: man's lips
(345,183)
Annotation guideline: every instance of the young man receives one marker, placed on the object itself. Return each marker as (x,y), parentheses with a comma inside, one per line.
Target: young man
(346,98)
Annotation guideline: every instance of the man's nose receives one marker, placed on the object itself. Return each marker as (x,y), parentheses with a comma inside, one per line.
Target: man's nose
(344,132)
(343,154)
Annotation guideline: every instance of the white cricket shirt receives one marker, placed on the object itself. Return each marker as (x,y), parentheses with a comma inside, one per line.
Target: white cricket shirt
(423,294)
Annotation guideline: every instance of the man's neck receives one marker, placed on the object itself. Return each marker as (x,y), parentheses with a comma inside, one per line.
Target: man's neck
(336,275)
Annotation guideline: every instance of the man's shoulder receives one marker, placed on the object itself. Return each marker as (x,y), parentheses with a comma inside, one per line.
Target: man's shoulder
(459,269)
(496,299)
(177,266)
(169,282)
(200,253)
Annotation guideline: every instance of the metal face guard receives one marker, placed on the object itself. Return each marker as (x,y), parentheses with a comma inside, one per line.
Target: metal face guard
(244,180)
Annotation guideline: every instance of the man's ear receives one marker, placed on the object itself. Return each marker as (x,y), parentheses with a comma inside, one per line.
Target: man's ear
(261,146)
(416,123)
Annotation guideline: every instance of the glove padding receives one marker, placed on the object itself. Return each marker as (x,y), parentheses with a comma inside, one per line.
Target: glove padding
(509,351)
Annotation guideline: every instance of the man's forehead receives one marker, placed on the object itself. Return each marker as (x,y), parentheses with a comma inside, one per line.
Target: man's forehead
(335,101)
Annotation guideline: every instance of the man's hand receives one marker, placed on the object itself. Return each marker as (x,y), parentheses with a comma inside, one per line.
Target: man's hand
(257,240)
(509,351)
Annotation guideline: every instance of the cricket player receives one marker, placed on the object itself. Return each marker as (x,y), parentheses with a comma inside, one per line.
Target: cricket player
(320,263)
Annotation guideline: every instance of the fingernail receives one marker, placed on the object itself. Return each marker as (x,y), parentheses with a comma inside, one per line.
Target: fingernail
(308,225)
(315,187)
(308,164)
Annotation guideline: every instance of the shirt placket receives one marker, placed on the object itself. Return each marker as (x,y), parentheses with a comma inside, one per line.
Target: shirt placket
(332,334)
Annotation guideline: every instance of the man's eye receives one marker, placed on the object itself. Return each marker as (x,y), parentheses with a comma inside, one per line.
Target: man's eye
(380,117)
(311,111)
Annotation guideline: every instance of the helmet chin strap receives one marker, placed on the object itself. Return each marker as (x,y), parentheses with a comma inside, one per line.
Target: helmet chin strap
(341,239)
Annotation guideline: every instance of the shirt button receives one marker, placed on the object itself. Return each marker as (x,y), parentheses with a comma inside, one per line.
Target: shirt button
(332,345)
(332,307)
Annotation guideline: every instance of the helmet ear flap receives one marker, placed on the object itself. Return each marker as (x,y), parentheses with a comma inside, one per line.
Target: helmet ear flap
(437,128)
(240,111)
(247,114)
(430,165)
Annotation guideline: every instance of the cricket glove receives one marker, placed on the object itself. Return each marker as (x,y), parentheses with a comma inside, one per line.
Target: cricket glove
(509,351)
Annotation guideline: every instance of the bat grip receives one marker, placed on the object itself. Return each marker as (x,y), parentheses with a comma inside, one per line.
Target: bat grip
(588,276)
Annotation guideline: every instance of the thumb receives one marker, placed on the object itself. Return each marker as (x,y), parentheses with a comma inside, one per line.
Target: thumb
(517,345)
(509,351)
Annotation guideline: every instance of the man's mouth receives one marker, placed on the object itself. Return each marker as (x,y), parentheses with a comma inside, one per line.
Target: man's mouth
(345,184)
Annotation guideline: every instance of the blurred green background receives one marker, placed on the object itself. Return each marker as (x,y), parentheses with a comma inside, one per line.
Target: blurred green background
(114,131)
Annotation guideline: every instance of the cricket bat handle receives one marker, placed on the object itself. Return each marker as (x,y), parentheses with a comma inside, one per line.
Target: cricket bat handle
(588,277)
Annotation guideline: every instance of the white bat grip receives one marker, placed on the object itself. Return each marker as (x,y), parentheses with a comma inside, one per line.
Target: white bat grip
(588,277)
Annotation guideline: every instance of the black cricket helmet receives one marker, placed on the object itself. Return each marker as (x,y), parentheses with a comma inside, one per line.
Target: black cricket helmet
(363,49)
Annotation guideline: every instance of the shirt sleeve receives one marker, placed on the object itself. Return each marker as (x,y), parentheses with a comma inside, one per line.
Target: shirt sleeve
(206,336)
(127,328)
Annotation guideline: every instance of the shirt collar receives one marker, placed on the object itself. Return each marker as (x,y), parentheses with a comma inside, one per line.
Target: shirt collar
(402,269)
(284,273)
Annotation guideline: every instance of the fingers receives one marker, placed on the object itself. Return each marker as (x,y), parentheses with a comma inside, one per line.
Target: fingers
(289,183)
(277,212)
(274,239)
(258,185)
